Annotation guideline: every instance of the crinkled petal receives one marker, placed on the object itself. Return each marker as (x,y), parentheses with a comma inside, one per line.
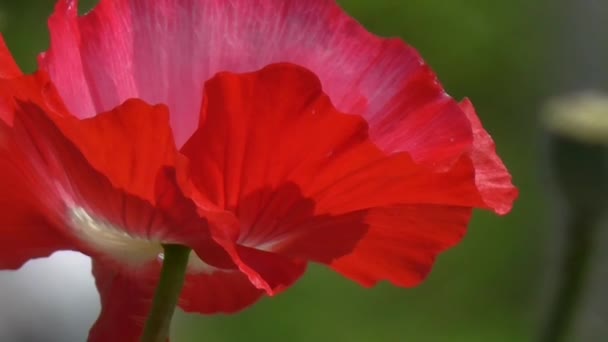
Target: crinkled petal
(126,299)
(302,179)
(492,178)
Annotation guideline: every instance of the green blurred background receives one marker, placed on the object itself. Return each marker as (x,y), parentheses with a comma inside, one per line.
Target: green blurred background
(493,286)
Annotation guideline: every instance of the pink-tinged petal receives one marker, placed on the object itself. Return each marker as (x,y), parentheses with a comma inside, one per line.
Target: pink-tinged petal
(302,179)
(70,74)
(106,57)
(102,59)
(126,298)
(492,178)
(8,67)
(218,291)
(384,80)
(419,117)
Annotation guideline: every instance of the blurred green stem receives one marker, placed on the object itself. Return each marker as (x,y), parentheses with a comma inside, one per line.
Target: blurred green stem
(574,267)
(167,294)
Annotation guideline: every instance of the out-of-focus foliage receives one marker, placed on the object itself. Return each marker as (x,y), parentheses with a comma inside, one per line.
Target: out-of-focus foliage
(487,288)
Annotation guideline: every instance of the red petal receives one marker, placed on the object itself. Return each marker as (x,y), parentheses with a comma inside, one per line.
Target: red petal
(56,175)
(131,145)
(27,227)
(220,169)
(402,243)
(24,89)
(266,270)
(218,292)
(26,233)
(8,67)
(126,298)
(492,178)
(300,177)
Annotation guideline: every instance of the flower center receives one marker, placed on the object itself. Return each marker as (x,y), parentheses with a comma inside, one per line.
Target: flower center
(109,239)
(113,241)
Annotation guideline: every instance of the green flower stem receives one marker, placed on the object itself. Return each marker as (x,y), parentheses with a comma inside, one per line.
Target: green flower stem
(172,279)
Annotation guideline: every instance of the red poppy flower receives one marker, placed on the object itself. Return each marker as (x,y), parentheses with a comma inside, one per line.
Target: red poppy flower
(263,134)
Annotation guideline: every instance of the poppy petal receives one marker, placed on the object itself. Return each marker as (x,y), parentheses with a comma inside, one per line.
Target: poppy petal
(286,189)
(102,219)
(269,271)
(414,114)
(131,145)
(402,243)
(491,175)
(8,67)
(126,299)
(25,233)
(399,243)
(69,74)
(229,172)
(27,229)
(226,288)
(71,194)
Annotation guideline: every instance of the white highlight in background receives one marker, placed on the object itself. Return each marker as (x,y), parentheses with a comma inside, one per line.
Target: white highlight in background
(50,299)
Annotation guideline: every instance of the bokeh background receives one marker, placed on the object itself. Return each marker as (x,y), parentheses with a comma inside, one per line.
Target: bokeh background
(509,57)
